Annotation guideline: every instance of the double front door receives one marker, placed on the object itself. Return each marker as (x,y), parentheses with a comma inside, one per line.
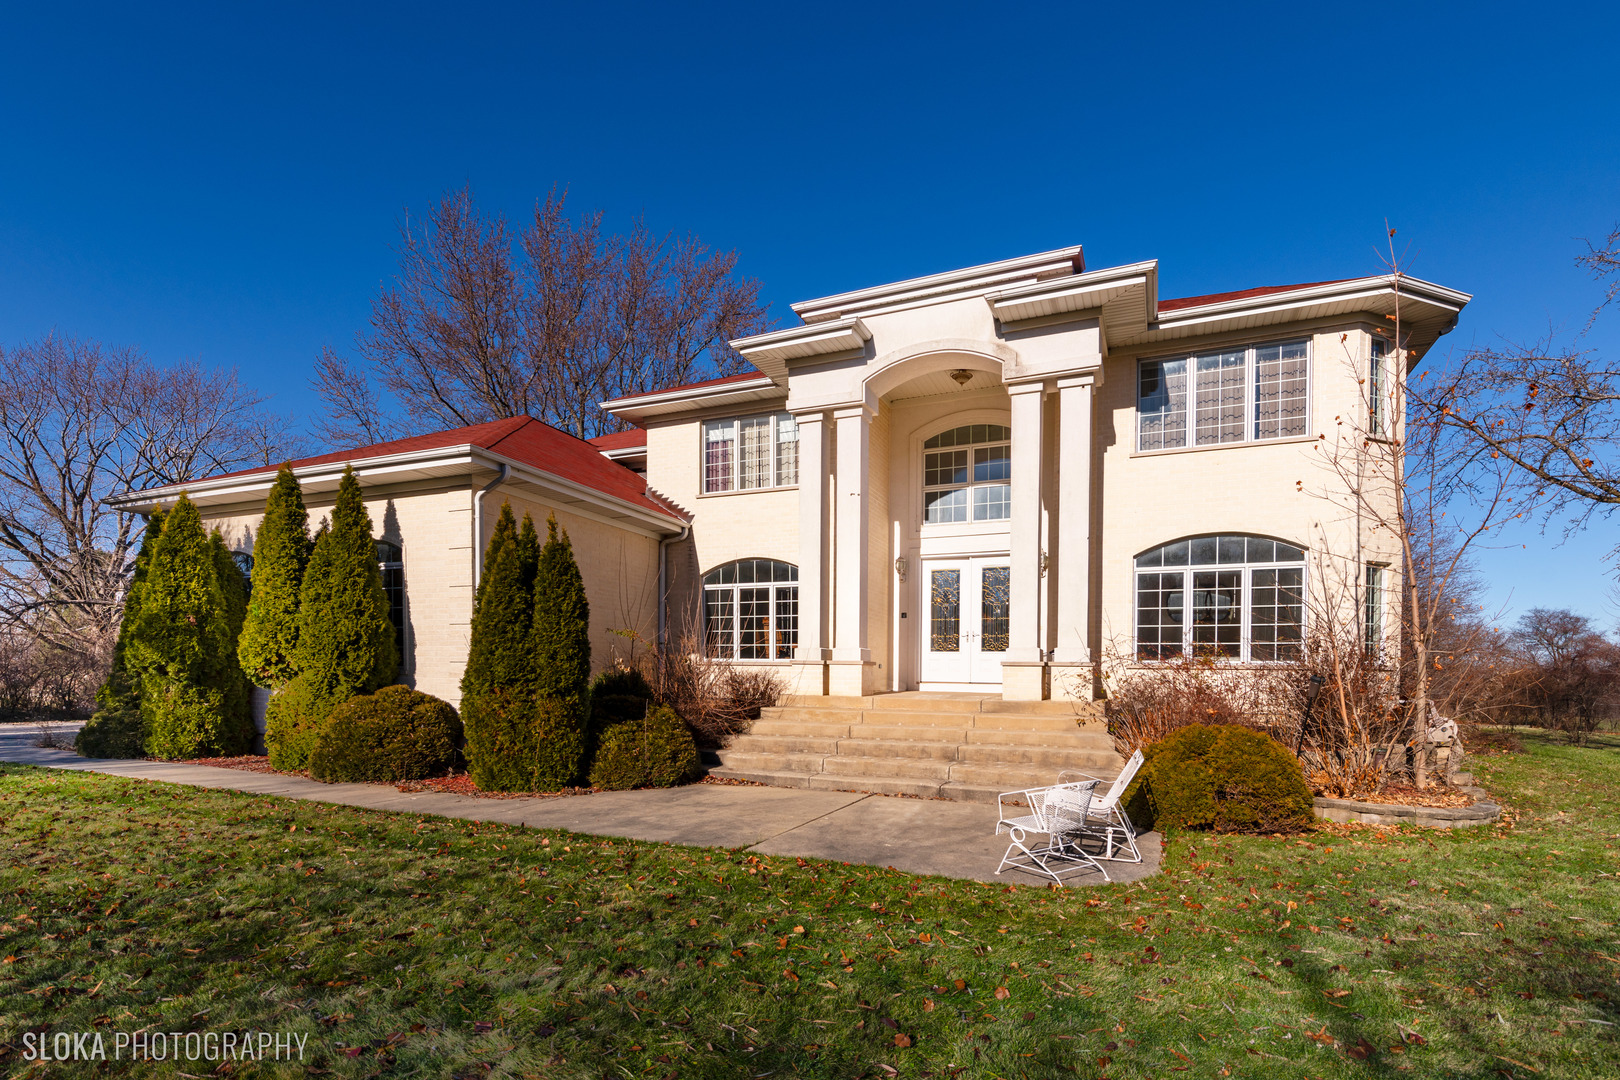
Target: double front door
(964,629)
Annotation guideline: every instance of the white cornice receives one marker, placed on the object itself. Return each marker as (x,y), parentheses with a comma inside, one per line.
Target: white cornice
(1426,292)
(1079,292)
(973,279)
(689,393)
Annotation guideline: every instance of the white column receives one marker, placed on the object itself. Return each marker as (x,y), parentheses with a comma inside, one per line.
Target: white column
(1074,520)
(813,532)
(850,587)
(1023,635)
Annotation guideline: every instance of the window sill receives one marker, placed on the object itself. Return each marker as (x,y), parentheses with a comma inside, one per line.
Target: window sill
(748,491)
(1249,444)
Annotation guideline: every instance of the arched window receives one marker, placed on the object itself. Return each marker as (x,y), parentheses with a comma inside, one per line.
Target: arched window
(391,561)
(967,474)
(751,609)
(1233,597)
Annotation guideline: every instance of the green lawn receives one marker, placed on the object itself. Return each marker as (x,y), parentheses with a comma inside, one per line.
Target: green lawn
(402,946)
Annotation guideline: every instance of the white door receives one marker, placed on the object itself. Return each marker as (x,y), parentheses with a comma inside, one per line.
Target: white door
(964,628)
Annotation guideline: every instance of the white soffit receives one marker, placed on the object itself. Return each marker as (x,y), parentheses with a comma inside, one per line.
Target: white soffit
(1080,292)
(685,399)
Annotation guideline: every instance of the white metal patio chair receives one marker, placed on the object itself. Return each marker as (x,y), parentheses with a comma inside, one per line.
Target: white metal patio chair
(1106,818)
(1060,813)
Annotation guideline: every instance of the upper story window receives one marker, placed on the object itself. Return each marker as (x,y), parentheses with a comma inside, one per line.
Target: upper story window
(751,609)
(750,452)
(1376,406)
(1228,396)
(391,562)
(1230,597)
(967,474)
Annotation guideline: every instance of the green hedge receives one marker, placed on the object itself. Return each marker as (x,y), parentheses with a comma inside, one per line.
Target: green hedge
(114,732)
(292,721)
(654,751)
(1221,777)
(621,682)
(395,734)
(516,742)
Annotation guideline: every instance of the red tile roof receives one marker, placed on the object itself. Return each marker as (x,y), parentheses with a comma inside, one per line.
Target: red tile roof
(744,376)
(1240,294)
(620,440)
(524,440)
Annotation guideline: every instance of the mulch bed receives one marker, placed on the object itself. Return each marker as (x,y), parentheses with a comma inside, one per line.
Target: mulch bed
(1405,795)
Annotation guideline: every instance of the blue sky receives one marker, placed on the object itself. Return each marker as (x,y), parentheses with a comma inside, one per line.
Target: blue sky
(224,182)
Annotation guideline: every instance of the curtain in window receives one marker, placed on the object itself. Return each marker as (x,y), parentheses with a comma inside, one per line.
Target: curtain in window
(1162,405)
(1279,390)
(787,450)
(719,445)
(757,445)
(1218,398)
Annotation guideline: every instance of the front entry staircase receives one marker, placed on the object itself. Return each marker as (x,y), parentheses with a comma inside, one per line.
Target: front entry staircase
(936,745)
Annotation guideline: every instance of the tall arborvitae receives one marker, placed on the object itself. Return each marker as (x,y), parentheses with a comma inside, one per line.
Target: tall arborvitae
(345,637)
(233,683)
(280,553)
(497,688)
(115,730)
(182,647)
(562,660)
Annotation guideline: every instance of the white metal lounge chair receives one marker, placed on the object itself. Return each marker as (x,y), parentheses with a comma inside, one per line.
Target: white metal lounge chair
(1106,817)
(1060,813)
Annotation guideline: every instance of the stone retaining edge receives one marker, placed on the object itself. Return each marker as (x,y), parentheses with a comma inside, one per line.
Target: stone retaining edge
(1346,811)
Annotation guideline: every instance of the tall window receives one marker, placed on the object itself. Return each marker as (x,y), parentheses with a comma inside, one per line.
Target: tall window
(751,609)
(1228,396)
(750,452)
(244,566)
(1375,387)
(391,561)
(1373,619)
(967,474)
(1230,597)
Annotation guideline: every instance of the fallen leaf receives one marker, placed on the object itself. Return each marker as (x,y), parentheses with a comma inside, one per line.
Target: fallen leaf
(902,1040)
(960,984)
(1002,993)
(928,1005)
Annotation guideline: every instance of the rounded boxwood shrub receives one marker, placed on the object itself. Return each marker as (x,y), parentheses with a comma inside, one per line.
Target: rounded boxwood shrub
(292,720)
(113,732)
(1221,777)
(395,734)
(654,751)
(610,709)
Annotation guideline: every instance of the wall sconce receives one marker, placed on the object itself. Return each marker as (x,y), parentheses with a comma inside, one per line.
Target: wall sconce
(1044,562)
(901,566)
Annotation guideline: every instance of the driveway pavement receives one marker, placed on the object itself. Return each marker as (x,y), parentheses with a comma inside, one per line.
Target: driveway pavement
(918,836)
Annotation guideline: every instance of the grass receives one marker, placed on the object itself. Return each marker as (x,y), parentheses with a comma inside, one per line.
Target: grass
(403,946)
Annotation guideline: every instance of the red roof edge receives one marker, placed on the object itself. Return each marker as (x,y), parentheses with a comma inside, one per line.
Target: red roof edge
(1240,294)
(620,440)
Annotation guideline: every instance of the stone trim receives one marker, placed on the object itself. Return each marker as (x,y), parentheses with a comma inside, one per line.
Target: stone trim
(1483,812)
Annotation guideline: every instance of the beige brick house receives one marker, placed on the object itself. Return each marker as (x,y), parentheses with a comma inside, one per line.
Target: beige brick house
(981,482)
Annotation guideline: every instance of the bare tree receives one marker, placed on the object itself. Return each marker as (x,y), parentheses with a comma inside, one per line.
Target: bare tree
(1421,497)
(80,421)
(1570,674)
(1551,408)
(480,324)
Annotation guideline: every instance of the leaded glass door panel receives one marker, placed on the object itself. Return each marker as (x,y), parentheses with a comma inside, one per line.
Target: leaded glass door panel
(965,619)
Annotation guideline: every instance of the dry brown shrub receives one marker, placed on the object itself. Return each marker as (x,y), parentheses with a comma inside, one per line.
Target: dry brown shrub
(716,697)
(1147,702)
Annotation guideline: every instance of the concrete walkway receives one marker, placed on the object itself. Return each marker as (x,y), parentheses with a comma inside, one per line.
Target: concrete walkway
(919,836)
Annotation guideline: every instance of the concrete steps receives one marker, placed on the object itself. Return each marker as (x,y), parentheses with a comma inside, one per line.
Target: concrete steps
(955,746)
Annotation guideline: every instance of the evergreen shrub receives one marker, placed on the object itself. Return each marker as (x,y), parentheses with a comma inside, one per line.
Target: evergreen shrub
(345,638)
(621,681)
(1221,777)
(183,646)
(561,652)
(655,751)
(497,687)
(113,732)
(395,734)
(280,553)
(292,721)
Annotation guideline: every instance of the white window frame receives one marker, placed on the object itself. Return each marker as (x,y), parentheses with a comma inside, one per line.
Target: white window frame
(774,613)
(1246,570)
(1377,363)
(779,471)
(1188,412)
(970,486)
(1373,609)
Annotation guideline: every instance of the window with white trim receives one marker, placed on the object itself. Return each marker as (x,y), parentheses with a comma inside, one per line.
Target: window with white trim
(748,453)
(1246,394)
(1376,405)
(1228,597)
(391,564)
(1373,617)
(967,475)
(751,610)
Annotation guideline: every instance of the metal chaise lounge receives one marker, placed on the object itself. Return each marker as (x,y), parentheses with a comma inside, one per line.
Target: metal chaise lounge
(1060,813)
(1106,818)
